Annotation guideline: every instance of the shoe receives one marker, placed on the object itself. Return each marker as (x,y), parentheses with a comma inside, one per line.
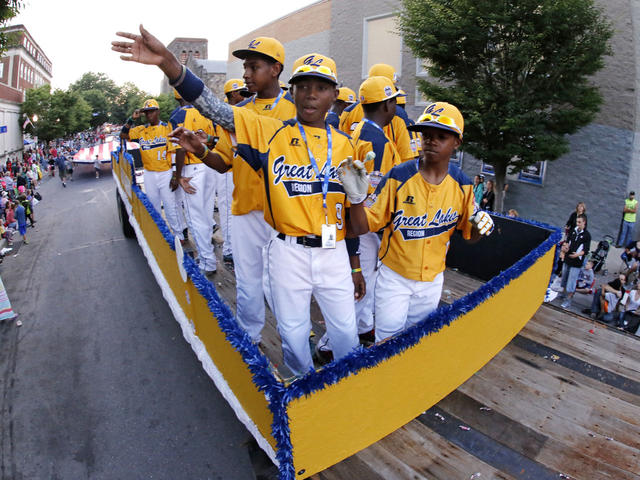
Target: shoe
(367,338)
(566,304)
(586,311)
(322,357)
(25,242)
(64,185)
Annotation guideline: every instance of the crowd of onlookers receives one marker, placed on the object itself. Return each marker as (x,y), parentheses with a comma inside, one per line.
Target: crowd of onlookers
(18,195)
(615,302)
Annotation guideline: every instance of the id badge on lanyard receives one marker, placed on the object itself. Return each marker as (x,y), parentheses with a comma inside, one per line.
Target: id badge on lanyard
(329,231)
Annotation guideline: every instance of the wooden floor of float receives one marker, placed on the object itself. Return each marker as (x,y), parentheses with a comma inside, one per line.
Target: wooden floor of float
(558,400)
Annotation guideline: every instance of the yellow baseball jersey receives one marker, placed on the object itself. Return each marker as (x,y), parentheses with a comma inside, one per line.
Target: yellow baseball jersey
(370,137)
(419,218)
(191,119)
(155,149)
(292,191)
(396,131)
(248,184)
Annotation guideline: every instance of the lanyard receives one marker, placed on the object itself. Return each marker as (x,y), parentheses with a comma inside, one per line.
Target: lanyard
(275,102)
(374,124)
(314,164)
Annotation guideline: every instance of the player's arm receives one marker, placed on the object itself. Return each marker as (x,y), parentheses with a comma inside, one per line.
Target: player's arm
(124,133)
(190,142)
(359,285)
(148,50)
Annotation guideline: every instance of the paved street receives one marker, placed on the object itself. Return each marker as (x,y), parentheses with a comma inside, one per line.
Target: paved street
(98,383)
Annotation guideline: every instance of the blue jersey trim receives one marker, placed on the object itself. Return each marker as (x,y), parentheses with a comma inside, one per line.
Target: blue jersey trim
(378,140)
(191,87)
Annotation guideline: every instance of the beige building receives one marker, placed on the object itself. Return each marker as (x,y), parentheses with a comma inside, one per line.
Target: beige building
(604,161)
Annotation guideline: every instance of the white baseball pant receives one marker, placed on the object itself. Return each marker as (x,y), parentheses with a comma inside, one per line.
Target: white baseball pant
(400,302)
(156,186)
(179,194)
(224,190)
(369,246)
(199,210)
(250,233)
(292,274)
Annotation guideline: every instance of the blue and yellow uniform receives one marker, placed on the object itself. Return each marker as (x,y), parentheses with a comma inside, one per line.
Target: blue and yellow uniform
(292,191)
(189,117)
(419,218)
(247,194)
(396,131)
(155,149)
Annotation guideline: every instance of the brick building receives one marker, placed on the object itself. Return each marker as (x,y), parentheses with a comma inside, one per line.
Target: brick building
(604,161)
(23,66)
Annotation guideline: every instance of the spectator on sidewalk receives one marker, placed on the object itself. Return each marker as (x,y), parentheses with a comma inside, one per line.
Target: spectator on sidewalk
(488,197)
(628,220)
(581,209)
(21,217)
(586,278)
(606,298)
(629,315)
(478,188)
(579,242)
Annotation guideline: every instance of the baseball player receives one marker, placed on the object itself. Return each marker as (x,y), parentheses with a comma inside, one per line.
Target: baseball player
(156,153)
(263,63)
(378,98)
(198,183)
(346,97)
(304,198)
(235,91)
(396,130)
(419,204)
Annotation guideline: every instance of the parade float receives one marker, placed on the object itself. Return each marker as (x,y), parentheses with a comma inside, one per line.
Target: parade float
(306,424)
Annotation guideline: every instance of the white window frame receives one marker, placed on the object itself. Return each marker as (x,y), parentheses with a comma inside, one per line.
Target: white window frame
(365,42)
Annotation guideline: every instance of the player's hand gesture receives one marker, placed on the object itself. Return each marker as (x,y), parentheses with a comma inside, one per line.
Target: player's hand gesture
(187,140)
(186,186)
(147,49)
(354,178)
(483,222)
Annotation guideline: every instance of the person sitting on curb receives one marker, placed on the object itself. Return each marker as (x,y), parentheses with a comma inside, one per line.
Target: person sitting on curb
(606,298)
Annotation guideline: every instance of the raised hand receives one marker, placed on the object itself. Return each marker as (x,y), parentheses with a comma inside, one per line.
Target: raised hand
(354,178)
(187,140)
(147,49)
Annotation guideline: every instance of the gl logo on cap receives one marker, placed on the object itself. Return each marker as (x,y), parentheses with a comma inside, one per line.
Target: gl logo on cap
(234,85)
(254,44)
(313,61)
(387,91)
(350,97)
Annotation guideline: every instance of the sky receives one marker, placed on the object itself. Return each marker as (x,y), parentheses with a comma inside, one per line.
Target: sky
(76,35)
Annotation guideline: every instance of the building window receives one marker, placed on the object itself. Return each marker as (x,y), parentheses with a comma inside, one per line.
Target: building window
(183,57)
(196,54)
(381,43)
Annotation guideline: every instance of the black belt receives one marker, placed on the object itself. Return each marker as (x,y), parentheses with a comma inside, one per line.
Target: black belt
(309,241)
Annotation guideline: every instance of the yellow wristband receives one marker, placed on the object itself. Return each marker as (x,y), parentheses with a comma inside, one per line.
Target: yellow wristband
(204,154)
(356,270)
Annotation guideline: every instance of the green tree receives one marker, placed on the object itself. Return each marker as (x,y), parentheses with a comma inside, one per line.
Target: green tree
(99,105)
(129,98)
(8,10)
(168,104)
(519,70)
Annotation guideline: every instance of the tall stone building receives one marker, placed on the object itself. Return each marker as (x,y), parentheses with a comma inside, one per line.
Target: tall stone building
(604,161)
(193,52)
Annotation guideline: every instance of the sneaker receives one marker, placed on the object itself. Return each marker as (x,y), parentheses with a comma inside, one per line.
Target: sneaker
(64,185)
(322,357)
(566,304)
(25,242)
(586,311)
(367,338)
